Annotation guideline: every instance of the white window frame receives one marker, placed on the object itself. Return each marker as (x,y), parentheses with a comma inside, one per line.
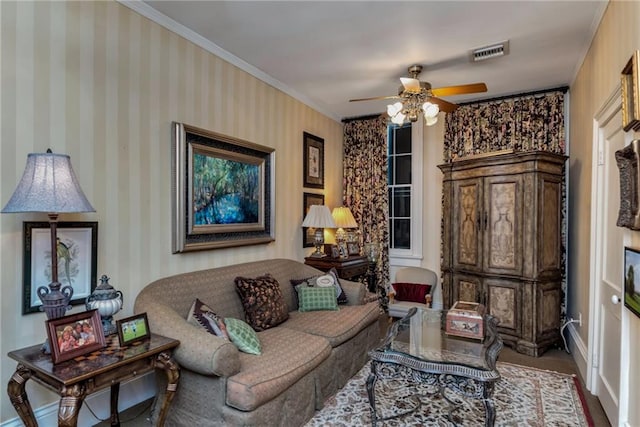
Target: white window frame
(413,257)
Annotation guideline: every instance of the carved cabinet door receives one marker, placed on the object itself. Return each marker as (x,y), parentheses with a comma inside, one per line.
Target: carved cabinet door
(467,210)
(501,224)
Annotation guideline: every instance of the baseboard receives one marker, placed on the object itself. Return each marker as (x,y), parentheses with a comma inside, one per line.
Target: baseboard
(131,393)
(578,350)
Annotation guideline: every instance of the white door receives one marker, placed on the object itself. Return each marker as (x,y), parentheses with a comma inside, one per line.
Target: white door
(609,243)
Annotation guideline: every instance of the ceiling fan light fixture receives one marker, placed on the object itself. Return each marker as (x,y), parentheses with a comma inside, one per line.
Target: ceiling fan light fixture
(393,109)
(430,121)
(430,109)
(398,119)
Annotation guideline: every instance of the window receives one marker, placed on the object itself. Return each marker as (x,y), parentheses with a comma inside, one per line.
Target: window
(399,180)
(404,179)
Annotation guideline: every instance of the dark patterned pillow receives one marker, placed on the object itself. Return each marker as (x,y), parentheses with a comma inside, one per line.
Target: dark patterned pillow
(262,300)
(201,314)
(313,281)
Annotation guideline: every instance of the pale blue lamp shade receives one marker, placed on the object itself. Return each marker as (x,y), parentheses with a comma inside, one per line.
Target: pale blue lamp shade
(48,185)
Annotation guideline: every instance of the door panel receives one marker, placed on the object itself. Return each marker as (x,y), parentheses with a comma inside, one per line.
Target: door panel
(466,235)
(550,223)
(502,222)
(503,302)
(467,288)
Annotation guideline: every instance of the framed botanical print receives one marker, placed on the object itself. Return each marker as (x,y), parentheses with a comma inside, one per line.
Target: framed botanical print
(309,199)
(313,161)
(77,260)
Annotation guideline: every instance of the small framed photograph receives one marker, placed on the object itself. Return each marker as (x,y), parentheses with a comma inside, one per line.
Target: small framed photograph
(308,234)
(132,329)
(74,335)
(630,86)
(313,161)
(77,260)
(335,252)
(632,280)
(353,248)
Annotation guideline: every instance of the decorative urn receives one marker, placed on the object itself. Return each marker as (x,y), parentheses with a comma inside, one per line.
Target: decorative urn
(107,301)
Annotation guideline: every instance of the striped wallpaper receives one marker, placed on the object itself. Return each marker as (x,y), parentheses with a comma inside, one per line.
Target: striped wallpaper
(101,83)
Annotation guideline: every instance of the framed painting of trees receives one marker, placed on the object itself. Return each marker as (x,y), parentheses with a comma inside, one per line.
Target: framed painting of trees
(223,191)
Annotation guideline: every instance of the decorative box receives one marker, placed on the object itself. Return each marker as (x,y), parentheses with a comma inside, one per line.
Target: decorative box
(465,319)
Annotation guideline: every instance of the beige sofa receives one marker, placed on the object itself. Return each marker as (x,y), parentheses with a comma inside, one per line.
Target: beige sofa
(304,360)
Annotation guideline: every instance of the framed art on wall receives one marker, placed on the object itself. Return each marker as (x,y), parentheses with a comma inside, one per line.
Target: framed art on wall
(77,260)
(630,85)
(309,199)
(223,191)
(74,335)
(632,280)
(313,161)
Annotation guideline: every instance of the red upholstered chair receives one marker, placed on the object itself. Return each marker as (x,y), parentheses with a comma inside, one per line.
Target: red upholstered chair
(412,287)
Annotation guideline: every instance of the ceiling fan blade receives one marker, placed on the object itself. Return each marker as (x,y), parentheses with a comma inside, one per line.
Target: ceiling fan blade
(374,98)
(459,90)
(411,85)
(445,106)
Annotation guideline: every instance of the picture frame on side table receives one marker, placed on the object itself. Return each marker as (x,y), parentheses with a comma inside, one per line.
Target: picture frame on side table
(313,161)
(630,84)
(133,329)
(353,248)
(77,260)
(74,335)
(223,191)
(632,280)
(309,199)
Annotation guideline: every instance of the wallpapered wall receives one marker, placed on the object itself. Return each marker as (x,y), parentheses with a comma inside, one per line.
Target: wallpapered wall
(97,81)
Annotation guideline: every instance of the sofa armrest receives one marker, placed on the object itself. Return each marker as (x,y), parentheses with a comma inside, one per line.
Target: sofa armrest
(198,351)
(355,292)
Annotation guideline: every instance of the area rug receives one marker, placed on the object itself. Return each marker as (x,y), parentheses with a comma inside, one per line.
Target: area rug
(522,397)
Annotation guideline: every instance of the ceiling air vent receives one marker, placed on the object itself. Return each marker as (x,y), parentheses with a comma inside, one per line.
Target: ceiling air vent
(491,51)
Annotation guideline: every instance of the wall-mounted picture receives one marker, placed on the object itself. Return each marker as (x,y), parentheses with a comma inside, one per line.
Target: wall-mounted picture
(632,280)
(627,160)
(77,260)
(308,234)
(313,161)
(630,84)
(74,335)
(133,329)
(223,191)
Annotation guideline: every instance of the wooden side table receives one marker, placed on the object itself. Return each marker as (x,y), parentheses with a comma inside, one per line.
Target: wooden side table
(347,268)
(74,379)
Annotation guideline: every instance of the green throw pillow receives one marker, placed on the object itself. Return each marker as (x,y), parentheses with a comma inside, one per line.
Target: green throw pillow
(315,298)
(243,336)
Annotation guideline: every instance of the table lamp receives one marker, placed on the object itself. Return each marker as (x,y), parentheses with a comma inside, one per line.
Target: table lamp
(318,217)
(343,218)
(49,185)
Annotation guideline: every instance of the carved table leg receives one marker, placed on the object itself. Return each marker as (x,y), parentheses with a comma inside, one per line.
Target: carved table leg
(487,400)
(115,392)
(70,404)
(371,392)
(171,369)
(18,396)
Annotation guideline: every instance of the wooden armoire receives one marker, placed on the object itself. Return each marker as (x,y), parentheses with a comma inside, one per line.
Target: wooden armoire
(502,242)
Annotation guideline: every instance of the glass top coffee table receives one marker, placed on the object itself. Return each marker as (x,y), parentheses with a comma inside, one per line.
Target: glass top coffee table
(456,367)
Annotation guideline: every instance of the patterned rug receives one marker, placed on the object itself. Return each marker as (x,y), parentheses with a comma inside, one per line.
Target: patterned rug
(522,397)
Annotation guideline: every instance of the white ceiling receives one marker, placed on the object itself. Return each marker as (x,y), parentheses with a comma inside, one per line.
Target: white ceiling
(327,52)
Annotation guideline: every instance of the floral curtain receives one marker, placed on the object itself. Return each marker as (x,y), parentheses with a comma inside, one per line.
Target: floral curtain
(365,188)
(524,123)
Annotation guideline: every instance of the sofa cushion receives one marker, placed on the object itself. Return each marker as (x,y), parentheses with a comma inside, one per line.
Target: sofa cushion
(412,292)
(202,315)
(316,298)
(323,280)
(262,300)
(335,326)
(287,356)
(243,336)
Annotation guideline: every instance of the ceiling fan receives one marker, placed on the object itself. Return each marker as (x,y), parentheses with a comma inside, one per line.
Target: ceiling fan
(417,96)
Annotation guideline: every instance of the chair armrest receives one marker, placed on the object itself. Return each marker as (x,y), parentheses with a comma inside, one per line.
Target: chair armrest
(198,351)
(355,291)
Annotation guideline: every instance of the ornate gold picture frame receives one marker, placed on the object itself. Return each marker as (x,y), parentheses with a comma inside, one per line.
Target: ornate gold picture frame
(630,95)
